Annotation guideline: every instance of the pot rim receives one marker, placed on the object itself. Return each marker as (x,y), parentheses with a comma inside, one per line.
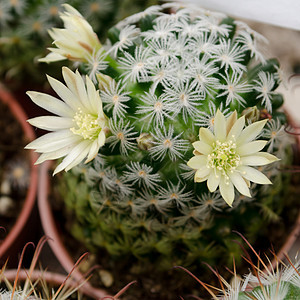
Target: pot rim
(56,244)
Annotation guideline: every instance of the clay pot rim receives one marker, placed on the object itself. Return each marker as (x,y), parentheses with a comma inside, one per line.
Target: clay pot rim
(7,98)
(56,244)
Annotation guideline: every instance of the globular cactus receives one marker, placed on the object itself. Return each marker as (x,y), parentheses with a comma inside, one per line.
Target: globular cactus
(172,134)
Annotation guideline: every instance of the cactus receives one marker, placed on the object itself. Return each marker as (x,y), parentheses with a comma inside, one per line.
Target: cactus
(19,284)
(266,281)
(39,284)
(151,187)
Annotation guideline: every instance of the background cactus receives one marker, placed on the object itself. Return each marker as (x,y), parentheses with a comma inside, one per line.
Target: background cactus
(162,74)
(265,281)
(24,37)
(21,284)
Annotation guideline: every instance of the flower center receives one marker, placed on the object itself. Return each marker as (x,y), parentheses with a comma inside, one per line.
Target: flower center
(223,157)
(142,173)
(86,125)
(54,10)
(167,143)
(158,106)
(115,99)
(94,7)
(121,136)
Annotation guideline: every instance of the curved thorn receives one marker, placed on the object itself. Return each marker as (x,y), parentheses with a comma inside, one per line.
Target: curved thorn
(69,275)
(124,289)
(19,268)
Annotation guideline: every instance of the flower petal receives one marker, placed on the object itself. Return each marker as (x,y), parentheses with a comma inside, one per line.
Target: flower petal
(250,148)
(206,136)
(202,174)
(213,181)
(59,144)
(237,128)
(71,81)
(197,162)
(202,147)
(48,138)
(239,183)
(251,131)
(93,96)
(51,104)
(51,123)
(54,154)
(74,157)
(81,92)
(227,191)
(231,121)
(95,146)
(53,142)
(253,175)
(259,159)
(220,126)
(64,93)
(52,57)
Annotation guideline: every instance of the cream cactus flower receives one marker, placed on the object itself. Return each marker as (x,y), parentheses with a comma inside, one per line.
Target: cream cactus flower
(226,156)
(77,41)
(78,130)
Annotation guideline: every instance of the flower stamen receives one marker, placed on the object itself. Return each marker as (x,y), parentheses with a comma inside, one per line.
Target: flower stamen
(86,125)
(223,157)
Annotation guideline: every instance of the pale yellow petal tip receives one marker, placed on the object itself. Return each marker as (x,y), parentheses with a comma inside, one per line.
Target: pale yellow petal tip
(52,57)
(30,122)
(273,158)
(234,114)
(229,202)
(66,70)
(56,172)
(219,114)
(189,164)
(28,147)
(248,195)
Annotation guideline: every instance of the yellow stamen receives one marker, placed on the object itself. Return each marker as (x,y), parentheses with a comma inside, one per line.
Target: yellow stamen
(86,125)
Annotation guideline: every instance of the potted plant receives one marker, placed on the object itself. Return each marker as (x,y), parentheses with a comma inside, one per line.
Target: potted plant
(18,176)
(170,141)
(38,284)
(264,281)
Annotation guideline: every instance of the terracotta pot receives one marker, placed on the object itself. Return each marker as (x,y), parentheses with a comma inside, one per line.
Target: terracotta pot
(51,230)
(12,241)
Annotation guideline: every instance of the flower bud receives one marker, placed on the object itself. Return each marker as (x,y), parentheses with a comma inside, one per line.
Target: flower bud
(145,141)
(251,114)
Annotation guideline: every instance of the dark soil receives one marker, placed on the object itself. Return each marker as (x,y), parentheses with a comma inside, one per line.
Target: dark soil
(14,169)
